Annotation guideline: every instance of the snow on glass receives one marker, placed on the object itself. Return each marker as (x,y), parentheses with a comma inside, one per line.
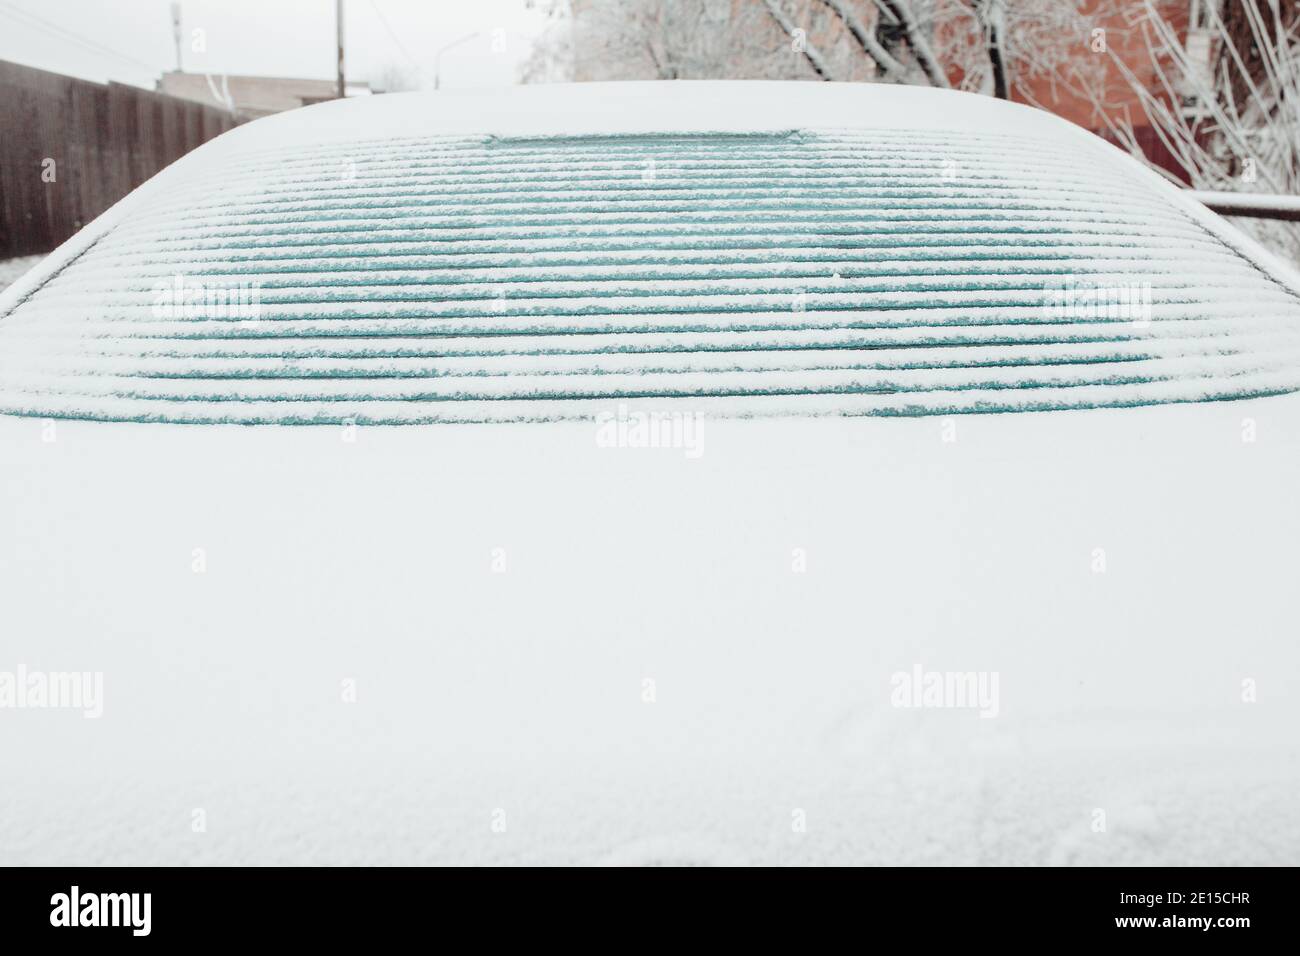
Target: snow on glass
(284,275)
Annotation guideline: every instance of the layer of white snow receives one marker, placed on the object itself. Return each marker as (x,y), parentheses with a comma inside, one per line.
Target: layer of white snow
(518,696)
(1248,202)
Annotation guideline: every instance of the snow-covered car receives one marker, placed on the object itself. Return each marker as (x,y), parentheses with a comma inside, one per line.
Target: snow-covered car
(692,472)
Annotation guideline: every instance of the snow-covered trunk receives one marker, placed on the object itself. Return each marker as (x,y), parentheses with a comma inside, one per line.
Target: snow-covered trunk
(993,18)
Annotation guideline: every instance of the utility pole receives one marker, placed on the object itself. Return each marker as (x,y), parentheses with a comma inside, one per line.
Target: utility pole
(338,22)
(176,35)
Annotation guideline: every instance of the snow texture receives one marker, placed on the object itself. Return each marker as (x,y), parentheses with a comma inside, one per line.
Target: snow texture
(523,691)
(738,249)
(1253,201)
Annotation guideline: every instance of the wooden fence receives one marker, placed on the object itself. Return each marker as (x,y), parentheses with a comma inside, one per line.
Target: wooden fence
(70,148)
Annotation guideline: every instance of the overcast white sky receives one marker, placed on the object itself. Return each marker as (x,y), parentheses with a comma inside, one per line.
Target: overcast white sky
(131,40)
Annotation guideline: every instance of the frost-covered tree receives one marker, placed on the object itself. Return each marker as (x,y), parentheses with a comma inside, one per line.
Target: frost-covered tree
(989,46)
(682,39)
(1227,94)
(1225,100)
(393,78)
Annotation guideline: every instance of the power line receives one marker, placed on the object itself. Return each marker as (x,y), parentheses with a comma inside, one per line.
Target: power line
(393,35)
(32,21)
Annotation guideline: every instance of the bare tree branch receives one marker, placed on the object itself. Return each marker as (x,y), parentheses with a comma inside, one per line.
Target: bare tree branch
(900,12)
(888,66)
(810,52)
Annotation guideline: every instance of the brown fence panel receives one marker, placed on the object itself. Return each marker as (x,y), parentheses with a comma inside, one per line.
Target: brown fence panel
(70,148)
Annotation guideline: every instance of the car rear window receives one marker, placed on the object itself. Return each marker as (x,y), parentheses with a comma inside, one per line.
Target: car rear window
(480,278)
